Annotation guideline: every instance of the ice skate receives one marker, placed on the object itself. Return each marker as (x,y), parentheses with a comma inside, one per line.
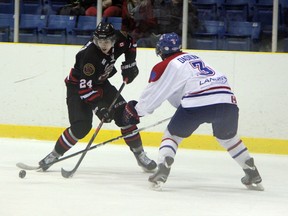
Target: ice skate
(144,162)
(52,157)
(160,177)
(252,180)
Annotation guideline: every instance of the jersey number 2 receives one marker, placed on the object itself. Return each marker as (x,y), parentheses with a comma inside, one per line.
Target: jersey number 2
(84,83)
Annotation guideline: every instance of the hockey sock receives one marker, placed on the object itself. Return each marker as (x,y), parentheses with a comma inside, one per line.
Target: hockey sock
(169,146)
(66,141)
(236,149)
(134,142)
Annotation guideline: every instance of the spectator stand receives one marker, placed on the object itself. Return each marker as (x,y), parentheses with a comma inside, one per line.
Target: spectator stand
(115,21)
(283,29)
(238,10)
(6,27)
(138,20)
(7,7)
(208,9)
(30,6)
(208,36)
(168,15)
(30,28)
(84,30)
(242,36)
(59,29)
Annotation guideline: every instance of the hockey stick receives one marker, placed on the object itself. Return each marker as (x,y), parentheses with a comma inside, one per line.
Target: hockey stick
(68,174)
(27,167)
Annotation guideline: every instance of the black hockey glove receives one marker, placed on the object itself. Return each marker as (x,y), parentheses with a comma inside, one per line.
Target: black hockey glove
(130,115)
(102,112)
(129,71)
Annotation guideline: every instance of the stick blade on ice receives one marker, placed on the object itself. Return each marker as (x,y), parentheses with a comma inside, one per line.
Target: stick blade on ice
(27,167)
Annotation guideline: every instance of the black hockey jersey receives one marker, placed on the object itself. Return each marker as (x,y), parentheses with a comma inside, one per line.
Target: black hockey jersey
(92,67)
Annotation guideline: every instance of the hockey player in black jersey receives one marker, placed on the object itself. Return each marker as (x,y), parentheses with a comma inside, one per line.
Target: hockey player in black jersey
(89,91)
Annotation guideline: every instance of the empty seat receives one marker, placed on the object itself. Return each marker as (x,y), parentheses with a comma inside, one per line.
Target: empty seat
(115,21)
(208,9)
(7,20)
(241,35)
(283,4)
(7,6)
(6,27)
(208,36)
(86,25)
(4,34)
(285,45)
(58,29)
(263,13)
(57,5)
(30,28)
(30,7)
(238,10)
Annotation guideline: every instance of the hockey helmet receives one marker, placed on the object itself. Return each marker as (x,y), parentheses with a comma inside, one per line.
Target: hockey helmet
(168,43)
(104,36)
(104,30)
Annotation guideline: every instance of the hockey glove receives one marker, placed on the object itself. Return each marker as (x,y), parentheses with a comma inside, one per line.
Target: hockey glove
(129,71)
(130,115)
(102,112)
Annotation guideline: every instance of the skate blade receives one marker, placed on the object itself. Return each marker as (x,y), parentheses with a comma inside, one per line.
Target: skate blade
(256,187)
(157,186)
(148,171)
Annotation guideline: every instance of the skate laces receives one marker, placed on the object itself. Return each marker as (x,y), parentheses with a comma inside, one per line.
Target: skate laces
(252,174)
(51,158)
(163,171)
(143,158)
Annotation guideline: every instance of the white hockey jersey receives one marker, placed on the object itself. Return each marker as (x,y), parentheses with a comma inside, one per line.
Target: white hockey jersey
(187,80)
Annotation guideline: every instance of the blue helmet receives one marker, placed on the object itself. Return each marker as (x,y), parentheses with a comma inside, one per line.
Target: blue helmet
(168,43)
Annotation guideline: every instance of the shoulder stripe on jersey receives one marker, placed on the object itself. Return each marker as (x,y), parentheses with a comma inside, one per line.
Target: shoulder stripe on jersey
(159,68)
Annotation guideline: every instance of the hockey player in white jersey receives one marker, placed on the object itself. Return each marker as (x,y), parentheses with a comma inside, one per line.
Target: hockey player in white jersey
(201,95)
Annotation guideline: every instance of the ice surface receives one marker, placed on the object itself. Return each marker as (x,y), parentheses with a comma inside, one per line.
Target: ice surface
(110,183)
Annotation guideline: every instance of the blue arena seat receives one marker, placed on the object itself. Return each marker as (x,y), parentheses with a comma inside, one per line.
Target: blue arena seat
(6,27)
(7,6)
(263,13)
(58,29)
(238,10)
(4,34)
(285,45)
(208,36)
(86,25)
(115,21)
(30,28)
(30,7)
(241,35)
(208,9)
(57,4)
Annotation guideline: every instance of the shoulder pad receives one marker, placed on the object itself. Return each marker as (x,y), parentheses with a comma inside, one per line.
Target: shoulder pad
(124,33)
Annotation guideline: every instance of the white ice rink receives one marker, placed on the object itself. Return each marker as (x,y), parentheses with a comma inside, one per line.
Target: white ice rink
(109,183)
